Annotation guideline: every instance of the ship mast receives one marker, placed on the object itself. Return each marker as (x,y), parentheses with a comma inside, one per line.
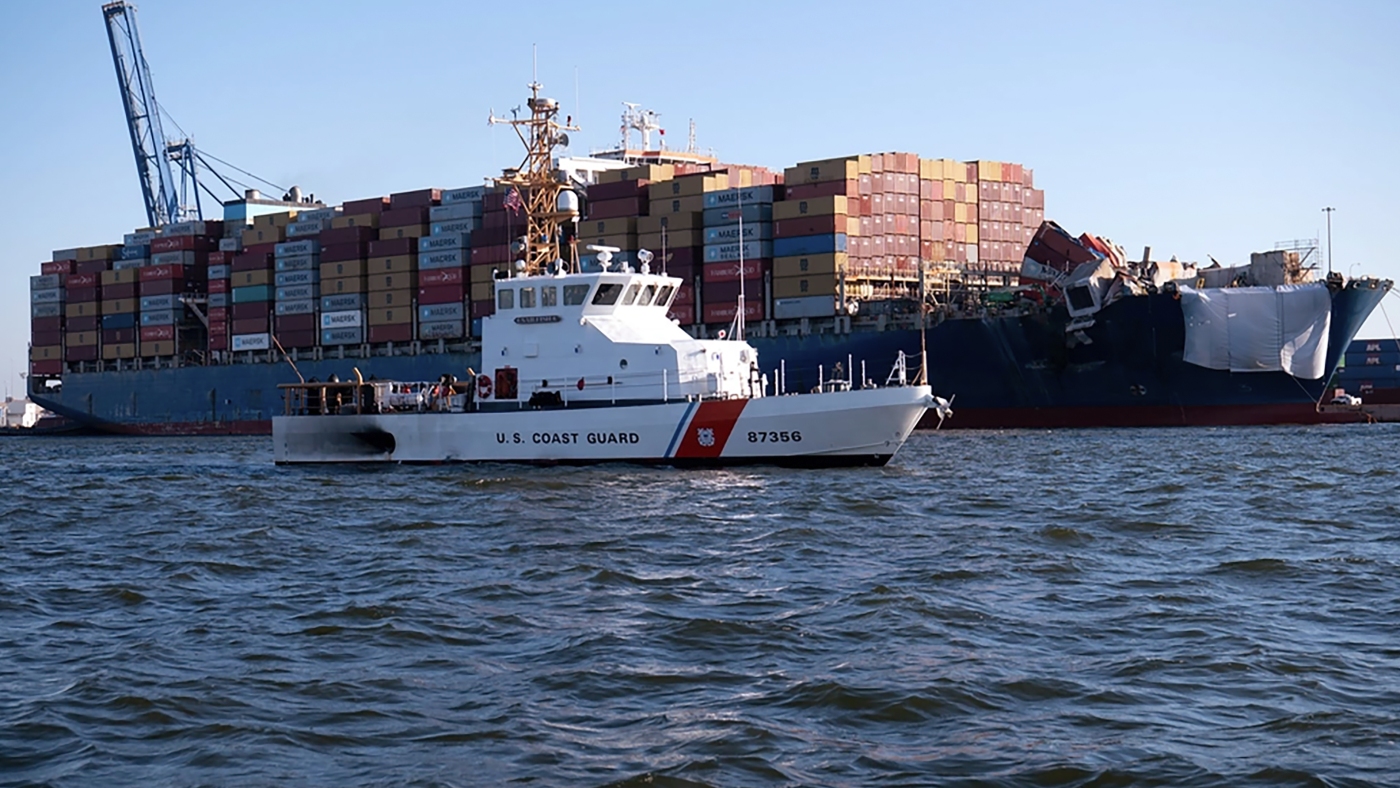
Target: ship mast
(536,180)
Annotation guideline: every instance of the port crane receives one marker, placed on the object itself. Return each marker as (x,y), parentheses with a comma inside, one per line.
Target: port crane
(166,201)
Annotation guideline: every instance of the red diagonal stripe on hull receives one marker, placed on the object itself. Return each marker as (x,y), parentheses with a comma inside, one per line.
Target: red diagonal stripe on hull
(718,416)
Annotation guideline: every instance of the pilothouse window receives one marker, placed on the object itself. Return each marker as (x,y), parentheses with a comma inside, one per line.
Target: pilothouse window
(607,294)
(549,296)
(575,295)
(527,298)
(631,296)
(505,299)
(647,293)
(664,298)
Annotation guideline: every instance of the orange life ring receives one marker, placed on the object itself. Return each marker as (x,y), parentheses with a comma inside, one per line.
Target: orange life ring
(483,387)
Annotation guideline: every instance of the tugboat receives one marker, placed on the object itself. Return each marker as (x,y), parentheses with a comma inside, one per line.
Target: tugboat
(585,367)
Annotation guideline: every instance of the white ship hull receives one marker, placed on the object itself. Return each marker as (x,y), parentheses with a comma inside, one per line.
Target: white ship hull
(860,427)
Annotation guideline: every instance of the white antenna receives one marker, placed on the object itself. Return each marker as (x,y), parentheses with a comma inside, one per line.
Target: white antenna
(739,322)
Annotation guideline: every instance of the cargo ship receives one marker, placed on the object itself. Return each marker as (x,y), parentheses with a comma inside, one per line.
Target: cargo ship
(190,327)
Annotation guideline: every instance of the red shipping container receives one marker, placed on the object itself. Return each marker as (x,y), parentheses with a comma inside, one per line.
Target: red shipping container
(811,191)
(56,267)
(218,314)
(250,309)
(729,272)
(256,249)
(78,295)
(50,367)
(404,217)
(442,276)
(342,252)
(92,266)
(682,313)
(442,294)
(180,243)
(724,312)
(296,323)
(154,273)
(85,323)
(126,290)
(684,295)
(251,262)
(46,324)
(249,325)
(77,281)
(678,257)
(483,308)
(162,287)
(503,221)
(490,236)
(157,333)
(301,339)
(347,235)
(368,205)
(397,332)
(490,255)
(88,353)
(612,209)
(218,341)
(392,247)
(220,258)
(494,201)
(617,190)
(218,285)
(414,199)
(43,338)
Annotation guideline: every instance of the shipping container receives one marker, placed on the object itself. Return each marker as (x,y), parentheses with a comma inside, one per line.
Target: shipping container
(715,253)
(342,302)
(342,336)
(809,244)
(447,329)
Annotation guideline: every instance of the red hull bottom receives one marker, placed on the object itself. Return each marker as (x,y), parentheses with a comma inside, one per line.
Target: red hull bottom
(182,428)
(1199,416)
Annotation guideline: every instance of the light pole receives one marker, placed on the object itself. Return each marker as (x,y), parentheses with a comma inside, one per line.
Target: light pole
(1329,211)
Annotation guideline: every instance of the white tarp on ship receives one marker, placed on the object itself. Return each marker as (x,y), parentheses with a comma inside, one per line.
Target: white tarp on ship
(1259,329)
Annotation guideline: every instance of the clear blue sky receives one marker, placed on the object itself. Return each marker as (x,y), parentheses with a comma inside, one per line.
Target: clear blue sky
(1196,127)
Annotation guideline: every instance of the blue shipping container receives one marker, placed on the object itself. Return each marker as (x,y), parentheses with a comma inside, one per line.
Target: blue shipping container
(123,320)
(739,196)
(714,217)
(809,244)
(134,253)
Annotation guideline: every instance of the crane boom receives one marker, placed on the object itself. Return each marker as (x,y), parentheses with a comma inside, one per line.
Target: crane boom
(142,115)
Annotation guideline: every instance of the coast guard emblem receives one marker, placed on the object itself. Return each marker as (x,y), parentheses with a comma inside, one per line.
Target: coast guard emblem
(705,436)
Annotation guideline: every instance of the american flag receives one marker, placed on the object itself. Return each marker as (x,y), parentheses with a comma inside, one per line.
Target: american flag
(513,201)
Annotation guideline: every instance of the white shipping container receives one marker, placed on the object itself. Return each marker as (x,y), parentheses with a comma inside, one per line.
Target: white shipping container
(122,265)
(296,308)
(294,248)
(318,215)
(251,342)
(46,310)
(445,329)
(805,306)
(65,254)
(219,271)
(53,296)
(173,258)
(465,194)
(305,229)
(183,228)
(143,238)
(44,282)
(348,319)
(448,212)
(230,244)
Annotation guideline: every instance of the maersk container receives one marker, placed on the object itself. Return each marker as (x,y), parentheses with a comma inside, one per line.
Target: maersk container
(302,262)
(318,215)
(433,313)
(288,278)
(134,252)
(219,271)
(296,248)
(162,317)
(443,243)
(142,238)
(751,250)
(173,258)
(349,318)
(449,212)
(804,306)
(454,227)
(342,301)
(242,342)
(731,233)
(51,296)
(809,244)
(715,217)
(217,300)
(343,336)
(305,307)
(122,265)
(54,309)
(441,329)
(298,292)
(230,244)
(465,194)
(118,321)
(454,258)
(300,229)
(252,294)
(159,302)
(184,228)
(740,195)
(45,282)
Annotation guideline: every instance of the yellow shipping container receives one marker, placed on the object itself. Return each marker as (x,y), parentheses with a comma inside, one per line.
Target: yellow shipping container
(816,206)
(674,240)
(687,220)
(395,264)
(344,284)
(385,299)
(118,306)
(626,225)
(691,186)
(483,291)
(643,172)
(403,280)
(123,277)
(989,171)
(101,252)
(275,219)
(972,234)
(358,220)
(810,264)
(46,353)
(410,231)
(261,276)
(486,273)
(264,234)
(388,317)
(159,347)
(123,350)
(664,206)
(80,338)
(960,213)
(82,309)
(341,269)
(846,168)
(798,286)
(950,189)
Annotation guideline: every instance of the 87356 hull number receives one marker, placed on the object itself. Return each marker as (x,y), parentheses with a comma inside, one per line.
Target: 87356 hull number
(775,437)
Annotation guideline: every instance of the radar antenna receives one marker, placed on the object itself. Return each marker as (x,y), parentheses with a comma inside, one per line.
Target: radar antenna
(536,180)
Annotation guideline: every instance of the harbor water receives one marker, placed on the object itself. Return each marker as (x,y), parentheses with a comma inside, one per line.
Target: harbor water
(1098,607)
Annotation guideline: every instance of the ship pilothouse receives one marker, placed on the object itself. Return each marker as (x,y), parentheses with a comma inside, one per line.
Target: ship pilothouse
(602,338)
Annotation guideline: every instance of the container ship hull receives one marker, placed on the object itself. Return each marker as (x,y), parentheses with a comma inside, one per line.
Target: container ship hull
(1006,372)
